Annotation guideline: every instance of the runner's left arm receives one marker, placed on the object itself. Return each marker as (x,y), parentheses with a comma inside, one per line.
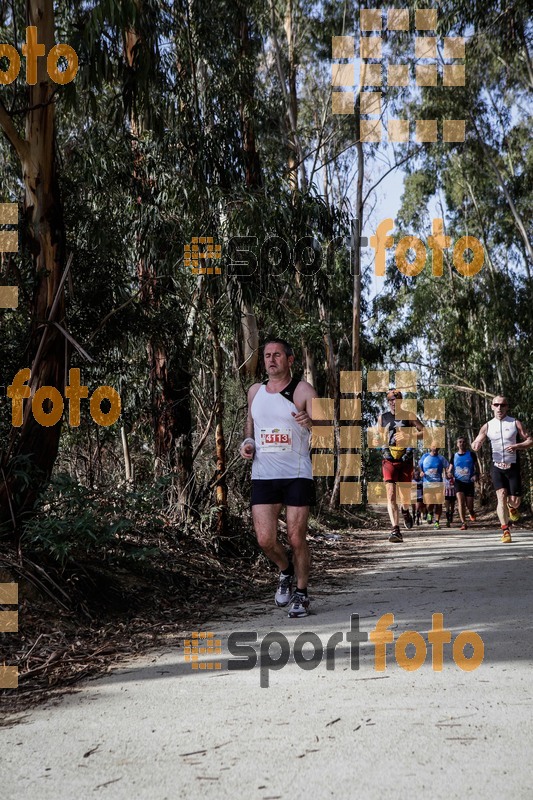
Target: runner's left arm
(304,404)
(527,439)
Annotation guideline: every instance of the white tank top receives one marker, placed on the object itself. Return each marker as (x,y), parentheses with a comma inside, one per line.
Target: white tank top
(502,433)
(281,445)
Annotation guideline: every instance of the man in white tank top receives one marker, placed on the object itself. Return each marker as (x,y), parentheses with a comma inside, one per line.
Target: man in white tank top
(506,435)
(277,441)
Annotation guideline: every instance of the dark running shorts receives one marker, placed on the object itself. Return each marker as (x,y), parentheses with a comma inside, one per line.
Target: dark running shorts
(397,471)
(288,491)
(507,479)
(466,487)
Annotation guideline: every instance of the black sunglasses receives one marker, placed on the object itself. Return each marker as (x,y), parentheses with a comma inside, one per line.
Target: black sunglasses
(497,405)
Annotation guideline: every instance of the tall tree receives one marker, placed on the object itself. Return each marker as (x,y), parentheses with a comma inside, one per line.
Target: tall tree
(48,353)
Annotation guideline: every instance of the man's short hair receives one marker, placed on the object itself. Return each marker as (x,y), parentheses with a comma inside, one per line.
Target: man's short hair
(286,346)
(394,394)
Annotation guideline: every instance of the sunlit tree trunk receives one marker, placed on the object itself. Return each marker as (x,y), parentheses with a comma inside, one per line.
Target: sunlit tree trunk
(43,211)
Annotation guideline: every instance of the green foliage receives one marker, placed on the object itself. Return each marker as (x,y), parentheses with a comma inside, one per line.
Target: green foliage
(74,522)
(151,153)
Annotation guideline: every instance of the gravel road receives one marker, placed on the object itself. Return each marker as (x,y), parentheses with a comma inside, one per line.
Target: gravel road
(157,729)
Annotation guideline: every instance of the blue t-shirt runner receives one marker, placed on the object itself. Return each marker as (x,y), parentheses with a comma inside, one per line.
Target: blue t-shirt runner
(433,465)
(464,467)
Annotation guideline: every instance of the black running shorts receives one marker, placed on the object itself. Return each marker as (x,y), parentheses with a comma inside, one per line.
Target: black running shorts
(465,487)
(507,479)
(287,491)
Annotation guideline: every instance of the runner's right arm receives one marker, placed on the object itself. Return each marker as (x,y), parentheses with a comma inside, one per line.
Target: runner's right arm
(477,471)
(247,448)
(480,438)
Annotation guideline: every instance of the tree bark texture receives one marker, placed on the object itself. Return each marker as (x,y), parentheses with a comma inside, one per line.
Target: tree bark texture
(43,211)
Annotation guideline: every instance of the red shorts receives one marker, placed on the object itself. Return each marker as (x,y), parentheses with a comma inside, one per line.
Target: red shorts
(397,471)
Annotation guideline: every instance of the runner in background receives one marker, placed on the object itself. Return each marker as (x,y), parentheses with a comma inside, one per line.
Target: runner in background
(397,465)
(419,508)
(465,469)
(432,466)
(449,496)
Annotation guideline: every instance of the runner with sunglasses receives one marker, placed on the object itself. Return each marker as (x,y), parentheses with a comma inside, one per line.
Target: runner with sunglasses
(397,464)
(506,435)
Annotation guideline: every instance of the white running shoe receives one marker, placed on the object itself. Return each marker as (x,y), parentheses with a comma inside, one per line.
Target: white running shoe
(284,591)
(300,605)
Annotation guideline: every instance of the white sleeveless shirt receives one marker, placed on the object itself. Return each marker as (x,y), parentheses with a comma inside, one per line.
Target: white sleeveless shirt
(502,433)
(281,445)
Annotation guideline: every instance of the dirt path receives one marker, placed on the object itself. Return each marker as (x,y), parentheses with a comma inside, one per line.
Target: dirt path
(158,729)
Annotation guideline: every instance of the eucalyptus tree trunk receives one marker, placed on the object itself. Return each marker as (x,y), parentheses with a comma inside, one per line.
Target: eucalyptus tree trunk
(250,338)
(170,382)
(221,490)
(249,331)
(356,252)
(43,214)
(296,165)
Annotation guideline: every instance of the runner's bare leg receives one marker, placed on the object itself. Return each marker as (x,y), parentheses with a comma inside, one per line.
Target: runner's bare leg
(502,510)
(514,500)
(265,517)
(462,506)
(297,517)
(392,507)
